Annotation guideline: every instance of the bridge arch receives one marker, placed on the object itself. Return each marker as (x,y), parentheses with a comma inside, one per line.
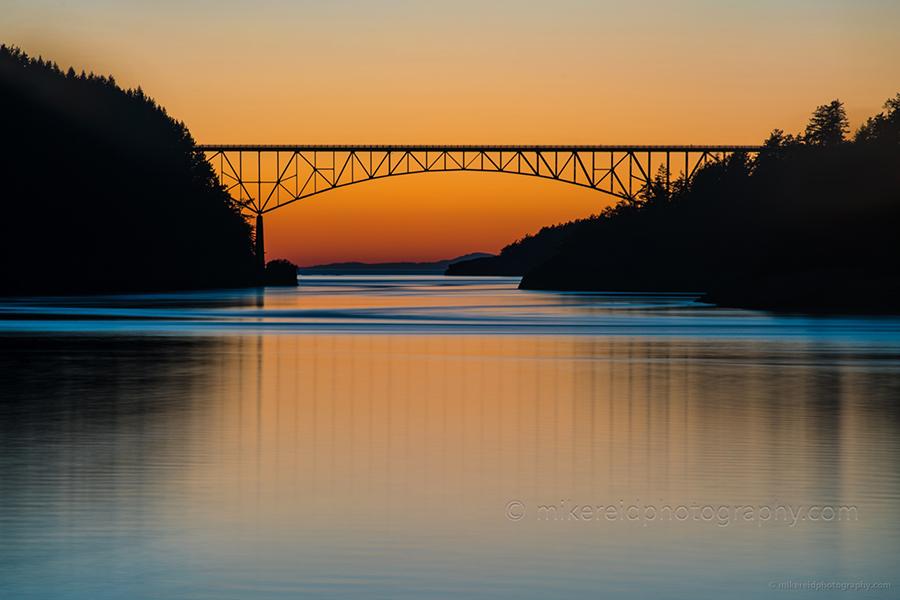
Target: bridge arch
(265,178)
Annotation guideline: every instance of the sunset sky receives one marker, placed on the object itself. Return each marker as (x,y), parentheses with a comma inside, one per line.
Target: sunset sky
(486,71)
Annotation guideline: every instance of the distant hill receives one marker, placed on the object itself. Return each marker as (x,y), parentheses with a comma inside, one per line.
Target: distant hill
(517,258)
(351,268)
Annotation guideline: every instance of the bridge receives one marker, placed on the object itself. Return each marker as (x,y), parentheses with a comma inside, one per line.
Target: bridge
(264,178)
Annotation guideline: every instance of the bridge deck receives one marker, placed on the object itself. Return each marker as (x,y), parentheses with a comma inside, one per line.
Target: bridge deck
(471,148)
(263,178)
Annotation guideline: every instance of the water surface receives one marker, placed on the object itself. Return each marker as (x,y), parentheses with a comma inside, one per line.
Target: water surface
(392,437)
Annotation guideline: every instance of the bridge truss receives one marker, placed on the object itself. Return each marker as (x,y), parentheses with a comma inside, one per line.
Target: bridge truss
(263,178)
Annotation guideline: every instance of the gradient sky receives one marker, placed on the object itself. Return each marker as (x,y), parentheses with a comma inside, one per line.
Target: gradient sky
(485,71)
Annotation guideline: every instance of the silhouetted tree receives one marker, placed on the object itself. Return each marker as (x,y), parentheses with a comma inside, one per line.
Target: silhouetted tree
(828,125)
(883,128)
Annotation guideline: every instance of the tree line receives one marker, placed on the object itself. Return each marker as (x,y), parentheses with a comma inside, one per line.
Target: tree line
(812,222)
(105,192)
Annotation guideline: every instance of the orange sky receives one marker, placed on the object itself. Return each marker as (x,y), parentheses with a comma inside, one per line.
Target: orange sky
(486,71)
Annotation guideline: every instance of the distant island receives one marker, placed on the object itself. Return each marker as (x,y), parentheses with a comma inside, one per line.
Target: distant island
(409,268)
(811,224)
(104,192)
(517,258)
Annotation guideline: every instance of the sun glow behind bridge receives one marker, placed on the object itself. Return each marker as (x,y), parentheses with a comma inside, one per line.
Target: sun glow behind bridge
(347,71)
(263,178)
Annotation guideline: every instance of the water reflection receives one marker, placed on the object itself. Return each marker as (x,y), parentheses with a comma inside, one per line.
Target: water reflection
(380,465)
(427,305)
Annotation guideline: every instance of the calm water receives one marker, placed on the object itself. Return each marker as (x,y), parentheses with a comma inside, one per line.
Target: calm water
(415,437)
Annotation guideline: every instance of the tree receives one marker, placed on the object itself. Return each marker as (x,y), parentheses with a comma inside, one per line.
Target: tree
(828,125)
(882,128)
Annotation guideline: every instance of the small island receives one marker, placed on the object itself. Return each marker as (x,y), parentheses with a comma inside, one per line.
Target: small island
(280,273)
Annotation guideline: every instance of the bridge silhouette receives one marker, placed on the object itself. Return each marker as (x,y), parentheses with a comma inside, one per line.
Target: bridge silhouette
(262,178)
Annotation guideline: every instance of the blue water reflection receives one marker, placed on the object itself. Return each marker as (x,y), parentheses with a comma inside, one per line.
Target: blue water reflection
(365,436)
(433,305)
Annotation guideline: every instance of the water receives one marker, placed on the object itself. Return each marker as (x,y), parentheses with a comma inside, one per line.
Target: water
(410,437)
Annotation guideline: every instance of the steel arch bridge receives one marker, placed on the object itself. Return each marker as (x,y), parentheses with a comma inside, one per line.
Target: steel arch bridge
(264,178)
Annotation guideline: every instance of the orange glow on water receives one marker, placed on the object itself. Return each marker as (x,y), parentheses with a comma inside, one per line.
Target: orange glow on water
(415,423)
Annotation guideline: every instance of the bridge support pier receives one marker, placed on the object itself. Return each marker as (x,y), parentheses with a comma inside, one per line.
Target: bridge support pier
(260,248)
